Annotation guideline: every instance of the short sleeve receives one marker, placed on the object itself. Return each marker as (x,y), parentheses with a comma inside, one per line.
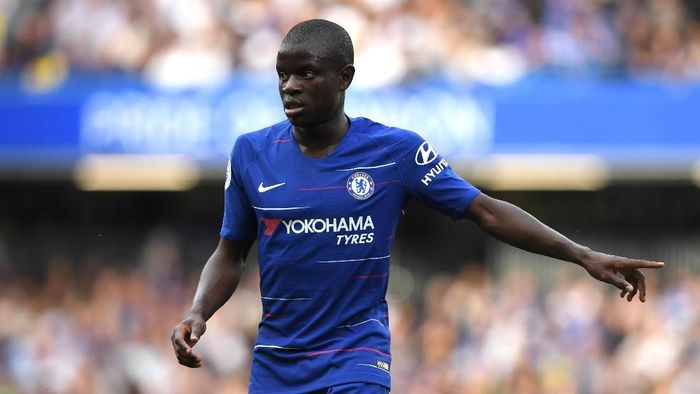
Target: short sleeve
(428,178)
(239,220)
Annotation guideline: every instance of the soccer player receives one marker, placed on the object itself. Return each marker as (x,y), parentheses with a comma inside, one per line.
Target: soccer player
(322,193)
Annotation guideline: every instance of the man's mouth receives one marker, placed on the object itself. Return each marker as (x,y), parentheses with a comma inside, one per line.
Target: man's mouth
(292,108)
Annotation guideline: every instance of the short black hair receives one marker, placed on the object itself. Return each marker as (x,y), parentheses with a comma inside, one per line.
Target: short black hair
(325,38)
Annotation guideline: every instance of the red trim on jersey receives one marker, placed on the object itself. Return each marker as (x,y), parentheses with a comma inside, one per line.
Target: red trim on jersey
(372,276)
(344,186)
(347,350)
(273,314)
(323,187)
(387,182)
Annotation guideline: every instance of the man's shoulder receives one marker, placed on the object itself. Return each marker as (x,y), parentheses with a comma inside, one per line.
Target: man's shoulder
(255,141)
(267,134)
(393,139)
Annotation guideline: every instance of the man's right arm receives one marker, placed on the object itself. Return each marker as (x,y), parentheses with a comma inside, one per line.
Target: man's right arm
(218,281)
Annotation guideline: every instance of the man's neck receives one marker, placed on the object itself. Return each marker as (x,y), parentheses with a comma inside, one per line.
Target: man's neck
(322,140)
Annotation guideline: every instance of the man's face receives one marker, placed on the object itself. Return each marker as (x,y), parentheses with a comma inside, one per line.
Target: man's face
(311,86)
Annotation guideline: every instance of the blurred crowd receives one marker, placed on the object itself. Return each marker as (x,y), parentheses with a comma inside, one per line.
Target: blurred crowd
(199,43)
(103,329)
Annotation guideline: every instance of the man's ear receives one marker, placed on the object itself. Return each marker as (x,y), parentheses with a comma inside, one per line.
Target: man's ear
(346,76)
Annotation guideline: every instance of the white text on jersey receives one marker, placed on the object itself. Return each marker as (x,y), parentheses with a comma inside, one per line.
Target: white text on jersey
(434,171)
(328,225)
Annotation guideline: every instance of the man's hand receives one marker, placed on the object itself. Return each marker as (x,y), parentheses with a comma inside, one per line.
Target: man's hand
(620,272)
(185,335)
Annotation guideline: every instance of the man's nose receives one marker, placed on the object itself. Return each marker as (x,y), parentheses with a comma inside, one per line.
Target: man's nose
(292,85)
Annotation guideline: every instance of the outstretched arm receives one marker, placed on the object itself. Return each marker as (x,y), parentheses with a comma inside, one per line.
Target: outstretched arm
(514,226)
(217,283)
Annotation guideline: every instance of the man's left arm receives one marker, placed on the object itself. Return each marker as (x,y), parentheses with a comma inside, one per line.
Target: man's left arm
(516,227)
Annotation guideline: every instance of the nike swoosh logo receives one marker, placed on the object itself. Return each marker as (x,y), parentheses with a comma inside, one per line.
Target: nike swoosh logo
(263,189)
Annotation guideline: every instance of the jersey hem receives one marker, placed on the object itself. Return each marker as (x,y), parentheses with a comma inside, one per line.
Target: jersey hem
(237,237)
(328,383)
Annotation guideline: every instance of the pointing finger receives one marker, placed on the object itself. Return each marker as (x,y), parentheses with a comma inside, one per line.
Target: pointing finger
(631,263)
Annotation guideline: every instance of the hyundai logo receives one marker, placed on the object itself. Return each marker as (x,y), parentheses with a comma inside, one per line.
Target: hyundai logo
(425,154)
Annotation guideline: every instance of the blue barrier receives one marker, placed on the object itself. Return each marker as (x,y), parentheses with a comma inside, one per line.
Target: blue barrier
(630,119)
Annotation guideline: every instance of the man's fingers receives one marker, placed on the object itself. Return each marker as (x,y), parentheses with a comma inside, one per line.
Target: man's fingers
(184,337)
(641,280)
(191,360)
(625,274)
(181,346)
(178,339)
(621,284)
(632,264)
(198,328)
(635,286)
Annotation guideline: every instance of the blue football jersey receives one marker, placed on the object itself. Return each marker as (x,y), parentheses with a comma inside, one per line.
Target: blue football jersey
(325,227)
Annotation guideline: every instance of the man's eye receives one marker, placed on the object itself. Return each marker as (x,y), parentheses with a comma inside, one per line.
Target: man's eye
(309,74)
(283,76)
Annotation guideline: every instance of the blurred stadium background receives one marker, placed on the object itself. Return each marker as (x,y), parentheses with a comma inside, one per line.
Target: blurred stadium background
(116,119)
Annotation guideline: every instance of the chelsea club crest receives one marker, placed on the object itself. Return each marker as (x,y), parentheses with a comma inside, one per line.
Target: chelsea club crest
(360,185)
